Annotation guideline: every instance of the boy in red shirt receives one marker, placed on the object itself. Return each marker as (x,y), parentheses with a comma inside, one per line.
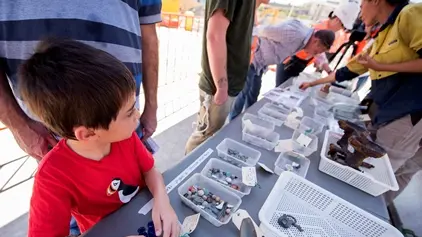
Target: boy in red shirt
(87,97)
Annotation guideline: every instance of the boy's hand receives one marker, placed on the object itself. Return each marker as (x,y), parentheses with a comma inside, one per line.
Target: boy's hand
(164,218)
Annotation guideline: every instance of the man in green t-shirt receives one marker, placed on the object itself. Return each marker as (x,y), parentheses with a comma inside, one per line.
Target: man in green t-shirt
(225,61)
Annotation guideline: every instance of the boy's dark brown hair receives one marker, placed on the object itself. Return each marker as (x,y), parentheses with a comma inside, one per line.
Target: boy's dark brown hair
(66,84)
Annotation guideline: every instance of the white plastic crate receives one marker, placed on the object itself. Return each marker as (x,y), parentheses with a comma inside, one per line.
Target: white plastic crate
(319,212)
(256,123)
(228,143)
(375,181)
(265,140)
(272,115)
(224,166)
(215,188)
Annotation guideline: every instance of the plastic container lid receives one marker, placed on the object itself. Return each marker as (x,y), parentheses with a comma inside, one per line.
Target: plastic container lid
(234,170)
(280,109)
(254,122)
(293,162)
(338,98)
(311,126)
(267,141)
(215,188)
(227,143)
(322,115)
(272,115)
(304,150)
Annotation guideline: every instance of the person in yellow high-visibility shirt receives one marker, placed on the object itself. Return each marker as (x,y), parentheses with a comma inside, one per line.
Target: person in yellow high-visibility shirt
(341,18)
(394,62)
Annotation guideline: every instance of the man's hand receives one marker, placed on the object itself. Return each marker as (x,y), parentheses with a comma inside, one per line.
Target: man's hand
(34,139)
(164,218)
(149,122)
(220,97)
(150,78)
(368,62)
(305,85)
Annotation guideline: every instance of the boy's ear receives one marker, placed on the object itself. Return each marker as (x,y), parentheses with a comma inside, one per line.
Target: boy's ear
(84,134)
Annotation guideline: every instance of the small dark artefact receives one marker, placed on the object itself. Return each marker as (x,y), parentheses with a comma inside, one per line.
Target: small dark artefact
(149,231)
(354,147)
(349,129)
(287,221)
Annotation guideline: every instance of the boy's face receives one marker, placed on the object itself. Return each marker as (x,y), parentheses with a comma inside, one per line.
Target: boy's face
(125,124)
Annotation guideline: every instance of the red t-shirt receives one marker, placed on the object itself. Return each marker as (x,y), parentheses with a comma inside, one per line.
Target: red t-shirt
(67,183)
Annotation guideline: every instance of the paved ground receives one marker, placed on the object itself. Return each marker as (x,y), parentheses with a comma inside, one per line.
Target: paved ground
(178,103)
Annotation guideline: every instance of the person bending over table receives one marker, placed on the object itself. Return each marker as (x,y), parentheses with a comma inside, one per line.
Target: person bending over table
(275,44)
(394,62)
(339,20)
(88,97)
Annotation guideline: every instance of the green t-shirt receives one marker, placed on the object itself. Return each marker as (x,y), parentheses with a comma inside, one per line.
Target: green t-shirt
(241,14)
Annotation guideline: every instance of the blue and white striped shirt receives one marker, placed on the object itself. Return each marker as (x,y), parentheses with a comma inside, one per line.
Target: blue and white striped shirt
(109,25)
(277,42)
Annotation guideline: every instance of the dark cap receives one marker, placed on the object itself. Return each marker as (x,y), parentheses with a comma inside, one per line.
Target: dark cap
(326,37)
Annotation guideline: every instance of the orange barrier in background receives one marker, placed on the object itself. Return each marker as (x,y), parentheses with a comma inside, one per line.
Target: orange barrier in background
(177,20)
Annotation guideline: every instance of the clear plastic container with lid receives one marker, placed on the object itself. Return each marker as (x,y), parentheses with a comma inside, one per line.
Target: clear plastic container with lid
(256,123)
(293,162)
(272,115)
(300,147)
(322,115)
(198,180)
(237,154)
(235,171)
(265,140)
(311,126)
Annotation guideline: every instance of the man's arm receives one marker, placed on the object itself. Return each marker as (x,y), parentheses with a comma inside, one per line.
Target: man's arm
(150,77)
(31,136)
(149,13)
(11,114)
(217,53)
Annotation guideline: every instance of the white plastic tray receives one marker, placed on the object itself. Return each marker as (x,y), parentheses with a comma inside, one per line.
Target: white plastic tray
(219,164)
(319,212)
(265,140)
(375,181)
(227,143)
(215,188)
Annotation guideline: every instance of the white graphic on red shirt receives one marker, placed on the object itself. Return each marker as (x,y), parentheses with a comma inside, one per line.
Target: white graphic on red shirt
(125,192)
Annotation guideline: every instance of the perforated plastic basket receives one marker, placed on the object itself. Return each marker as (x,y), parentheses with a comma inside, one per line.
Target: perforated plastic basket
(319,212)
(375,181)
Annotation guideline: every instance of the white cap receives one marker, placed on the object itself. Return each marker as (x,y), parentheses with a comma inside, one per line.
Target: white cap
(347,12)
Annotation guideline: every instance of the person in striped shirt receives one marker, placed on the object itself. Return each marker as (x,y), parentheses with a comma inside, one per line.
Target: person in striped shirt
(123,28)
